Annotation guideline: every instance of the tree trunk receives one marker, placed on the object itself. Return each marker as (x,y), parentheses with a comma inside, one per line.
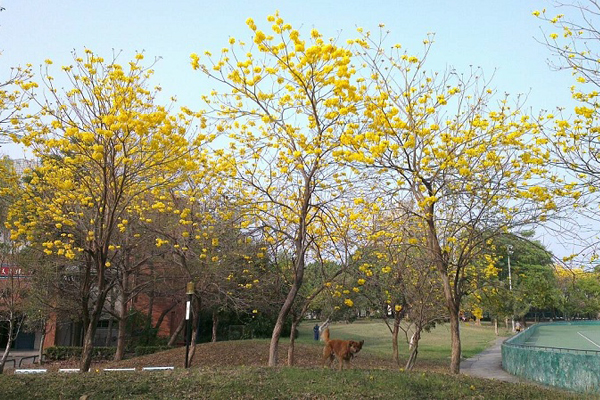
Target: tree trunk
(110,322)
(42,338)
(194,322)
(177,332)
(283,313)
(395,333)
(496,326)
(453,306)
(194,338)
(96,262)
(322,328)
(300,254)
(88,346)
(148,324)
(11,327)
(162,315)
(414,350)
(451,294)
(122,328)
(290,360)
(90,332)
(215,325)
(456,345)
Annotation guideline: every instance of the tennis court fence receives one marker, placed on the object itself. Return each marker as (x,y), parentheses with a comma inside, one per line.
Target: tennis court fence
(568,368)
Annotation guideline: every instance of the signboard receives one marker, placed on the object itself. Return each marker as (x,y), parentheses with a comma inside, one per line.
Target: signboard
(6,271)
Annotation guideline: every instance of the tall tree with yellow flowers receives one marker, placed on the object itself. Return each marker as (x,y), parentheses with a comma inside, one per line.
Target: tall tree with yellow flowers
(13,100)
(397,276)
(102,146)
(572,133)
(466,167)
(12,287)
(200,233)
(285,103)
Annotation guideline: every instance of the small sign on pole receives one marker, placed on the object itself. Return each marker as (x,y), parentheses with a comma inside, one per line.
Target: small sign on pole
(189,290)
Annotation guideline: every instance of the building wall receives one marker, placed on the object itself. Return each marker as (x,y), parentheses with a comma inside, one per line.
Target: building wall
(171,319)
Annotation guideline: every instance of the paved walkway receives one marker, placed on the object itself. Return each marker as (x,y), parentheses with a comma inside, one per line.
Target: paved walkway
(488,364)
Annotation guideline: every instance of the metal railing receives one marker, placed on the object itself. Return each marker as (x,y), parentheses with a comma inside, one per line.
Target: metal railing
(554,349)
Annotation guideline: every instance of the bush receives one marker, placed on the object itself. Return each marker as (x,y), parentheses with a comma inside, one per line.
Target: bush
(262,325)
(143,350)
(57,353)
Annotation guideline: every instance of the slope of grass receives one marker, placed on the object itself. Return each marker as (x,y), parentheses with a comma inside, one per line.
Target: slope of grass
(266,383)
(236,370)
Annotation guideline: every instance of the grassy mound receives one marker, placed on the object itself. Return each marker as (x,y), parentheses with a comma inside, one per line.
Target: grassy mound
(237,370)
(266,383)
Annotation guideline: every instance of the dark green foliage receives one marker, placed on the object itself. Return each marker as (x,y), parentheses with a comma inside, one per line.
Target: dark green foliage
(254,326)
(57,353)
(139,333)
(262,325)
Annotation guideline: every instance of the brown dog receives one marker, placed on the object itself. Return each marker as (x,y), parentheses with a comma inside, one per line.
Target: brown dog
(344,350)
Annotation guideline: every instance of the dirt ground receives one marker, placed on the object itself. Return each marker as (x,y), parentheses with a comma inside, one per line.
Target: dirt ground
(237,353)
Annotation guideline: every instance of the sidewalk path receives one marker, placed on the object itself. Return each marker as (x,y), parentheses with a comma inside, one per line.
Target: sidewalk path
(488,364)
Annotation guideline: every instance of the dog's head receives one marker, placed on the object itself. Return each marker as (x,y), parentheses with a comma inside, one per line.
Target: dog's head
(356,346)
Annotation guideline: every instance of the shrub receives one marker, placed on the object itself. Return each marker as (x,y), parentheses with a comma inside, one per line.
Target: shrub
(57,353)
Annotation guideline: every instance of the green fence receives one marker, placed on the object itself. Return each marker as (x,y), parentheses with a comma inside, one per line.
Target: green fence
(563,367)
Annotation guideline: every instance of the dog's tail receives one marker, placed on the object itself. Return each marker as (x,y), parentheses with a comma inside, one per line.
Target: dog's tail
(326,335)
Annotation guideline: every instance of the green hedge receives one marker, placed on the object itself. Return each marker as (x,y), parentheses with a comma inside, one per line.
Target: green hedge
(57,353)
(143,350)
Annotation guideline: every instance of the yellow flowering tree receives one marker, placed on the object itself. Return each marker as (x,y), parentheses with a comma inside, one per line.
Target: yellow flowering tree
(8,192)
(573,134)
(12,287)
(398,277)
(13,100)
(199,232)
(329,279)
(102,146)
(286,103)
(436,142)
(573,38)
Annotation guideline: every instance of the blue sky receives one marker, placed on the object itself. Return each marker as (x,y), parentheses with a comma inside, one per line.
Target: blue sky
(498,36)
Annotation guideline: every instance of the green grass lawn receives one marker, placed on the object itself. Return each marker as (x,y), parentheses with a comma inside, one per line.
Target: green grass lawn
(223,380)
(434,346)
(266,383)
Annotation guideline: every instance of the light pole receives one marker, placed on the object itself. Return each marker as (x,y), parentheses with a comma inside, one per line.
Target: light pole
(509,251)
(188,305)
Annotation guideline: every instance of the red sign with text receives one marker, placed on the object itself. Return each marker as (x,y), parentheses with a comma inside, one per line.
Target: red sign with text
(6,271)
